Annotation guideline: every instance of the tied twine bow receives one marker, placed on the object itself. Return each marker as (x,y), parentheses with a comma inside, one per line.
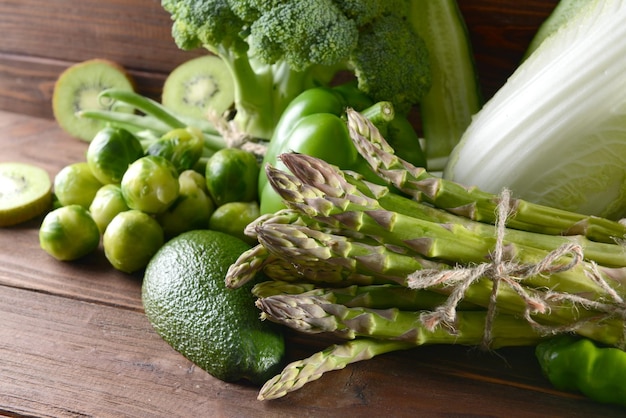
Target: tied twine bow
(502,271)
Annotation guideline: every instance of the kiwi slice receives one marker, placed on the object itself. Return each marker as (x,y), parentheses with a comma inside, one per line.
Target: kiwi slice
(25,192)
(78,87)
(199,85)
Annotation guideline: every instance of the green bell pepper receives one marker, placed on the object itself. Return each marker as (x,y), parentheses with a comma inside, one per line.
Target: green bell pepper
(314,124)
(579,365)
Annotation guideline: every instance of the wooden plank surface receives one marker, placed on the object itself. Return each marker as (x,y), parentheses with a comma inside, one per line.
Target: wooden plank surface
(74,342)
(73,337)
(42,37)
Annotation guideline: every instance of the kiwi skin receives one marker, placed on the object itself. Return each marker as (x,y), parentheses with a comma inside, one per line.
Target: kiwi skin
(77,88)
(198,85)
(26,192)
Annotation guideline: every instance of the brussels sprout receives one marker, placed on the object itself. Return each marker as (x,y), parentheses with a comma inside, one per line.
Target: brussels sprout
(182,147)
(150,184)
(233,217)
(232,175)
(107,203)
(75,184)
(131,239)
(193,208)
(69,233)
(110,153)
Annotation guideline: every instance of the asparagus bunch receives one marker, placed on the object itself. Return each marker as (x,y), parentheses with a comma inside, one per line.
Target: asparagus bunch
(390,269)
(472,202)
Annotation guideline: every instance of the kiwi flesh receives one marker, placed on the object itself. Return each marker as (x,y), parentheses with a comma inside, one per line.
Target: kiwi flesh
(77,88)
(25,192)
(199,85)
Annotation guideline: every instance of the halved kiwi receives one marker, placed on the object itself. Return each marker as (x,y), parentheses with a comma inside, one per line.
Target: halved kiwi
(199,85)
(78,87)
(25,192)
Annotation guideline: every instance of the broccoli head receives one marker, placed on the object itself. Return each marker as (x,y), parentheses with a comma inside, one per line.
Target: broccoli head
(391,62)
(303,33)
(206,23)
(276,49)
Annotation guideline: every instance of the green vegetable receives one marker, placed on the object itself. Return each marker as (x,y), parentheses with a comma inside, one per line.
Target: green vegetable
(579,365)
(378,296)
(554,133)
(314,124)
(328,259)
(455,96)
(131,239)
(276,50)
(110,153)
(314,315)
(336,357)
(371,332)
(472,203)
(151,119)
(75,184)
(391,61)
(232,176)
(233,218)
(564,11)
(191,210)
(107,203)
(183,147)
(150,184)
(344,243)
(69,233)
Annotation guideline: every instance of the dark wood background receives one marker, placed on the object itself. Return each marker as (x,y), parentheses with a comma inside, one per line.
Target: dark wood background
(40,38)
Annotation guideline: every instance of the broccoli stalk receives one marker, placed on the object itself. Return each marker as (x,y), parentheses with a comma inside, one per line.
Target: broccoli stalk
(277,49)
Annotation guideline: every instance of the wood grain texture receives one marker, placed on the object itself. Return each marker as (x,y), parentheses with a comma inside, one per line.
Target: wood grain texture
(74,342)
(43,37)
(135,33)
(27,83)
(500,31)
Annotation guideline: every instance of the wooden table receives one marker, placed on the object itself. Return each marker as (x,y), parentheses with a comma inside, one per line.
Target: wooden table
(74,342)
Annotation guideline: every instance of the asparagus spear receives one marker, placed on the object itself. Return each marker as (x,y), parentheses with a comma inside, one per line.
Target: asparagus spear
(450,242)
(272,258)
(340,227)
(298,373)
(378,296)
(247,266)
(259,259)
(312,315)
(339,184)
(545,309)
(336,357)
(306,246)
(471,202)
(320,274)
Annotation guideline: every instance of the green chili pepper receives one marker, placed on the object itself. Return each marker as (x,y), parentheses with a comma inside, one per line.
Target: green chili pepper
(314,124)
(579,365)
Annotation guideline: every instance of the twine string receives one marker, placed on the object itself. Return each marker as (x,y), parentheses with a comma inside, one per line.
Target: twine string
(503,272)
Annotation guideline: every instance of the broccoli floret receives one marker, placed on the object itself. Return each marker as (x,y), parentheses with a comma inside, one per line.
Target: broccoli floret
(362,12)
(276,49)
(385,44)
(206,23)
(303,33)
